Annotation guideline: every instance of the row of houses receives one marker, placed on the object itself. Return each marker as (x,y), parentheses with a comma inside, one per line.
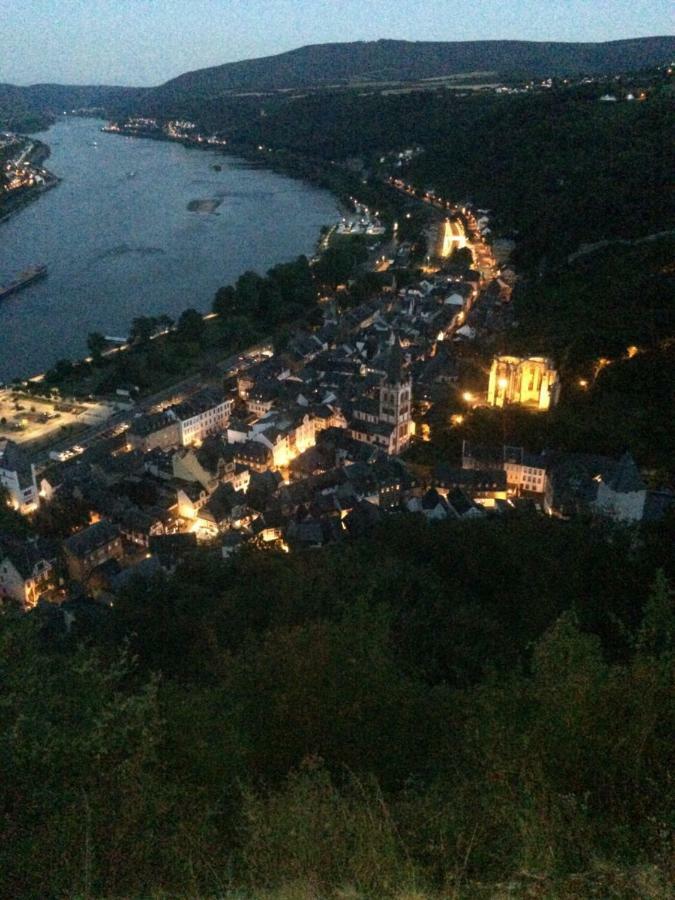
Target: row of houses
(568,484)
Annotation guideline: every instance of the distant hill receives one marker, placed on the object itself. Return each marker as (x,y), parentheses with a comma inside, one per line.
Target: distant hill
(387,60)
(22,107)
(323,65)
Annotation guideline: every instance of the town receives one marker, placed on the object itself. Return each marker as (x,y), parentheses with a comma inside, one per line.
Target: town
(306,445)
(22,175)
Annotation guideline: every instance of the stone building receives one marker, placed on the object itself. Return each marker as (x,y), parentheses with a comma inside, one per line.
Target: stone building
(531,382)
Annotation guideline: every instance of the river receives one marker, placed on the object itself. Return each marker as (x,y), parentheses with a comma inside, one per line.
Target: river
(120,241)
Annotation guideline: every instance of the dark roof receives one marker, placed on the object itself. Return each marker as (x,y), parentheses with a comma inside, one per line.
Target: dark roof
(395,363)
(222,502)
(25,554)
(13,459)
(626,478)
(471,479)
(206,399)
(171,546)
(459,501)
(85,542)
(144,570)
(253,450)
(151,423)
(657,504)
(212,451)
(362,518)
(432,499)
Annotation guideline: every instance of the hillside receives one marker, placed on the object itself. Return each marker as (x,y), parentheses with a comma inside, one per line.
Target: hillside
(326,65)
(557,167)
(411,715)
(23,108)
(387,60)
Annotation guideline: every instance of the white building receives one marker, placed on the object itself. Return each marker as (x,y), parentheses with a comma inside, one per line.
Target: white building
(206,413)
(26,571)
(17,475)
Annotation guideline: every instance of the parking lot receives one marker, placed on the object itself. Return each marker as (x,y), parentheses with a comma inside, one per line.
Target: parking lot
(35,420)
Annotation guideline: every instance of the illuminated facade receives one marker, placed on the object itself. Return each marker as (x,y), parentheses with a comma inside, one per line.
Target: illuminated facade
(531,382)
(396,401)
(452,237)
(17,476)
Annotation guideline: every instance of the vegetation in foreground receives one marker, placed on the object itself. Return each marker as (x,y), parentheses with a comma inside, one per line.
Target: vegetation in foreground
(459,710)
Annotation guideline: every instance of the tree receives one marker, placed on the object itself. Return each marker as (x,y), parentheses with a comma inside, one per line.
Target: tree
(11,522)
(224,303)
(61,517)
(191,326)
(248,289)
(142,329)
(462,258)
(62,370)
(340,260)
(96,344)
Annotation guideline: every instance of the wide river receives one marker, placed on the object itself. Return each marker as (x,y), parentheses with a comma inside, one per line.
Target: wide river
(120,241)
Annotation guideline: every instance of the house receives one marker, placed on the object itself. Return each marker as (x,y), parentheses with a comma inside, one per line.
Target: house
(152,431)
(17,476)
(483,485)
(27,569)
(138,526)
(223,508)
(254,455)
(208,465)
(171,549)
(598,485)
(621,495)
(525,471)
(190,497)
(91,547)
(432,506)
(462,506)
(204,413)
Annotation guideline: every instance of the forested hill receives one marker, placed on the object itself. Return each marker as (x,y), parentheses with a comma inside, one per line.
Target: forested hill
(387,60)
(325,65)
(32,106)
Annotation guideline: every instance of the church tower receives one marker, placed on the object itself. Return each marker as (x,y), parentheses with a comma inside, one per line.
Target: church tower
(396,400)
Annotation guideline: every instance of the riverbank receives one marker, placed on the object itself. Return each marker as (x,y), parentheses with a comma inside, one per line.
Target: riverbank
(118,247)
(14,201)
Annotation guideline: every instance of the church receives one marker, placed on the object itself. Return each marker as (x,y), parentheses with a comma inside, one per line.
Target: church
(531,382)
(385,418)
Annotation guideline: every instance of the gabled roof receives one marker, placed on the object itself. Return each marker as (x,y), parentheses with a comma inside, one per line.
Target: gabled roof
(395,363)
(459,501)
(222,503)
(85,542)
(26,554)
(13,459)
(626,478)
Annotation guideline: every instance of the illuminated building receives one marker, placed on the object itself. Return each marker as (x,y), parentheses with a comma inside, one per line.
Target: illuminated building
(395,406)
(452,237)
(17,476)
(531,382)
(27,570)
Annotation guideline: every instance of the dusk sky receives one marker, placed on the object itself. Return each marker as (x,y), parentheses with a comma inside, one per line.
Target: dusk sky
(145,42)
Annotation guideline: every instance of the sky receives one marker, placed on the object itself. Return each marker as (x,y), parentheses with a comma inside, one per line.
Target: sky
(146,42)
